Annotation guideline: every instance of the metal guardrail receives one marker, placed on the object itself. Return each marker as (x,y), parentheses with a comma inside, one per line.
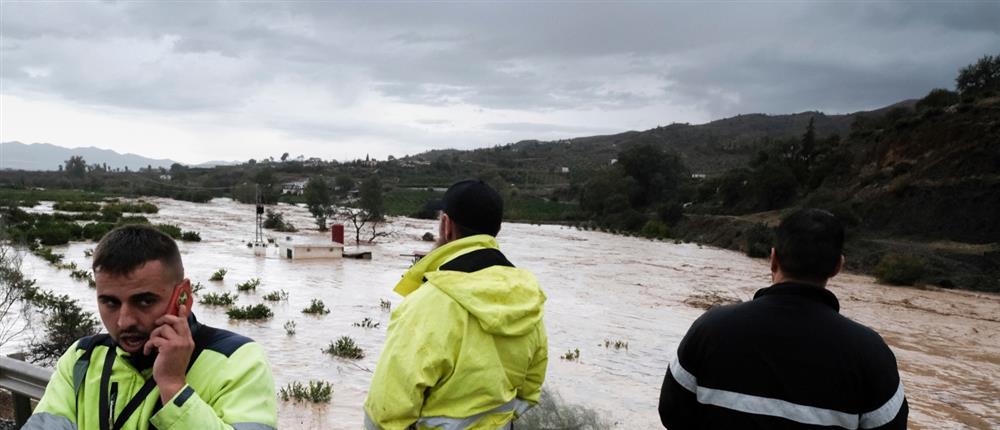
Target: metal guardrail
(25,381)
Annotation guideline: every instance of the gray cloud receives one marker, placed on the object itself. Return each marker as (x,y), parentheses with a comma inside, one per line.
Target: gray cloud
(710,60)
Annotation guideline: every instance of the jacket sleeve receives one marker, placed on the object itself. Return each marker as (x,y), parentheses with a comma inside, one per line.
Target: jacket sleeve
(424,337)
(532,388)
(247,400)
(57,408)
(678,396)
(886,401)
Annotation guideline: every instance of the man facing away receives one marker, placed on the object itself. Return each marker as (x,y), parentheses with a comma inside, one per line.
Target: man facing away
(787,359)
(153,369)
(467,348)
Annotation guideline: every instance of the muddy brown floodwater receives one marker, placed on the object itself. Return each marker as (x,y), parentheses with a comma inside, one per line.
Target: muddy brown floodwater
(600,287)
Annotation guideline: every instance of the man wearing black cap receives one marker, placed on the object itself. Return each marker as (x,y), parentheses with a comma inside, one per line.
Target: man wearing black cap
(467,347)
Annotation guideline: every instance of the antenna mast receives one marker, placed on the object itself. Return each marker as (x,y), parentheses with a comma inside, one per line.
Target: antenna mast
(258,241)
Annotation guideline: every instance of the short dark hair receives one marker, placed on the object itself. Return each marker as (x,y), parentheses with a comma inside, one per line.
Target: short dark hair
(125,249)
(809,244)
(463,231)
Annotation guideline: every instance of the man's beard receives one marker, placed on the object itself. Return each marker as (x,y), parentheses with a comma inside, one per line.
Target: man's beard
(132,337)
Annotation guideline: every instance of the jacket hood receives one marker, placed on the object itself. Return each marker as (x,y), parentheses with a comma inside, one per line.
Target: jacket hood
(506,301)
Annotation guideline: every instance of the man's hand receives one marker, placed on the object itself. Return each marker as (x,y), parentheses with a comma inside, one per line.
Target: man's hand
(172,338)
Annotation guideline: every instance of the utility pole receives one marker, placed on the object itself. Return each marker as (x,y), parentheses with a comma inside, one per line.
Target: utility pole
(259,246)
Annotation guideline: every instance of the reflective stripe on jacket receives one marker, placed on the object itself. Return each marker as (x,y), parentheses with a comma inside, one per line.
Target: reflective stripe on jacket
(229,386)
(467,347)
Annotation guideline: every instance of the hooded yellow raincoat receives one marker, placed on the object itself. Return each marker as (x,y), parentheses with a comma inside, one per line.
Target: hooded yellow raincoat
(467,347)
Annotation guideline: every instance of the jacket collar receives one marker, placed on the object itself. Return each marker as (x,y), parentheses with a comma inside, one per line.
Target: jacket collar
(414,277)
(805,291)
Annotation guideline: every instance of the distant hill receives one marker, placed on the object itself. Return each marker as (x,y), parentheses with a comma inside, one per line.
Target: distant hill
(705,148)
(46,156)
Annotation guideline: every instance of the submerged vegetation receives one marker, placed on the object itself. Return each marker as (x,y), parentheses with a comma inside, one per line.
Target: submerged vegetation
(573,355)
(250,312)
(276,296)
(316,307)
(315,391)
(215,299)
(345,347)
(367,323)
(218,275)
(249,285)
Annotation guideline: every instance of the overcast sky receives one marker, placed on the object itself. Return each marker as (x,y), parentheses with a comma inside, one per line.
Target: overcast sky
(199,81)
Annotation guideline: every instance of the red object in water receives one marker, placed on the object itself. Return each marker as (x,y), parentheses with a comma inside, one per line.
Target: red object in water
(337,233)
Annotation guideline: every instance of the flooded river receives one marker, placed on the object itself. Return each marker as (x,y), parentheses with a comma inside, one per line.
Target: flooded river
(599,286)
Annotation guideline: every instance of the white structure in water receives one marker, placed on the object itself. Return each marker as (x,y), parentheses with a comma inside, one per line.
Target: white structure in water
(300,249)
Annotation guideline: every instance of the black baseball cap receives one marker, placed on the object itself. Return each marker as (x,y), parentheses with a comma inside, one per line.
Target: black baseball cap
(474,205)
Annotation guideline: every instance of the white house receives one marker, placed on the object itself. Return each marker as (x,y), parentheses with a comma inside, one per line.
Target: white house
(306,249)
(294,187)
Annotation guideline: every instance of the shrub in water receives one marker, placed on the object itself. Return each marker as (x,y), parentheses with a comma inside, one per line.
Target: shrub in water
(315,392)
(191,236)
(275,296)
(345,347)
(76,206)
(316,308)
(250,312)
(218,275)
(573,355)
(290,327)
(899,269)
(249,285)
(80,275)
(213,299)
(170,230)
(553,413)
(367,323)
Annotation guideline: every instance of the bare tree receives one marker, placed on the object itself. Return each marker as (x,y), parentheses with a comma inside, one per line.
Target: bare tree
(363,221)
(12,289)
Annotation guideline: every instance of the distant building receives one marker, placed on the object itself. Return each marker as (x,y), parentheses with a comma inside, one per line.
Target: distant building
(301,249)
(165,177)
(613,161)
(698,176)
(295,188)
(564,170)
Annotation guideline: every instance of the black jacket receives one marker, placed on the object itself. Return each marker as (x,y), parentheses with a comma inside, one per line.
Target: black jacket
(785,360)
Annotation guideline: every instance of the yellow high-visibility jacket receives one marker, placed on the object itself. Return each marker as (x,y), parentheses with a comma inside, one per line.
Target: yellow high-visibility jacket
(466,349)
(229,387)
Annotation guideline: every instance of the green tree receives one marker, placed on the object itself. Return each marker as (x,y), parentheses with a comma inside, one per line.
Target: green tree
(371,198)
(938,98)
(76,166)
(318,200)
(657,173)
(344,184)
(808,143)
(981,77)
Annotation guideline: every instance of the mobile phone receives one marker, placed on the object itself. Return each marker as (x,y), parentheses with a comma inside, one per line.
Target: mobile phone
(181,296)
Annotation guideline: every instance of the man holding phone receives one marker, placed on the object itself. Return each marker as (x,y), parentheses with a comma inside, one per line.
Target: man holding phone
(157,366)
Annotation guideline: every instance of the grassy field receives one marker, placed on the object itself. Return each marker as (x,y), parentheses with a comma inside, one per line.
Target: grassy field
(406,202)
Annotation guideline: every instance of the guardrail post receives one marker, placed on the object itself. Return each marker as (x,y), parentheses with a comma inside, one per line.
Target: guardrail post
(25,382)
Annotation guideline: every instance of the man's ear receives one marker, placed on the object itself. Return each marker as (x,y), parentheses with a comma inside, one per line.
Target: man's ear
(839,266)
(774,261)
